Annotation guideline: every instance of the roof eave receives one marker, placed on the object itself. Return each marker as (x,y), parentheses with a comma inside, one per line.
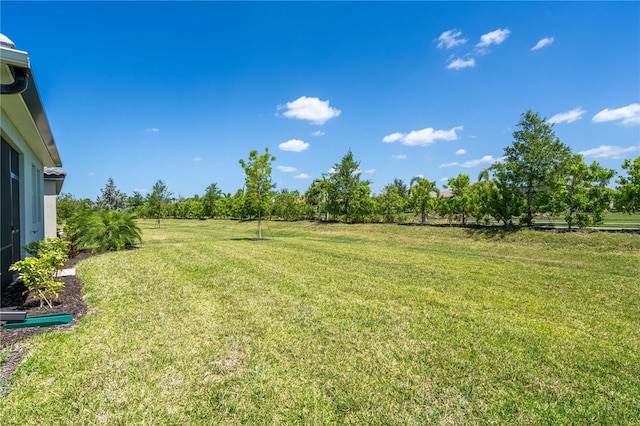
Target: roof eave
(31,98)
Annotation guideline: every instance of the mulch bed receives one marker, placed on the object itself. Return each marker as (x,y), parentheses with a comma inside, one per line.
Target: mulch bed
(71,300)
(13,299)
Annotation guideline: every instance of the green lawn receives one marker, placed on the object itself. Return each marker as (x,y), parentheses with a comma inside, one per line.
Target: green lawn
(339,324)
(611,220)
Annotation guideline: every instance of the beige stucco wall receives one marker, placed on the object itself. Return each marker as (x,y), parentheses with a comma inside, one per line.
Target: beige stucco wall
(50,225)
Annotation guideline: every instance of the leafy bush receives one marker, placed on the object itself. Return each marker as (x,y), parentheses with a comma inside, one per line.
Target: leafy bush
(103,231)
(37,272)
(54,249)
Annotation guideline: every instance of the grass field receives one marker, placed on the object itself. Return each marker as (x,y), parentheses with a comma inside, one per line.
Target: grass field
(339,324)
(611,220)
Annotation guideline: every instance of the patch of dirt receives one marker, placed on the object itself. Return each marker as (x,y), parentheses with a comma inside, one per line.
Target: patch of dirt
(71,300)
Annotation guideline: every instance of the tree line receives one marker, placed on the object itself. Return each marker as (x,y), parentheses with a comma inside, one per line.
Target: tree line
(537,176)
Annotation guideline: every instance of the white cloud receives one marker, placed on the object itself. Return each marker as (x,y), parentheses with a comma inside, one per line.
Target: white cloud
(444,179)
(91,174)
(310,109)
(451,38)
(543,43)
(153,130)
(332,171)
(399,157)
(460,63)
(287,169)
(494,37)
(317,133)
(424,137)
(461,152)
(393,137)
(627,115)
(295,145)
(609,152)
(197,159)
(487,159)
(302,176)
(442,166)
(370,171)
(567,117)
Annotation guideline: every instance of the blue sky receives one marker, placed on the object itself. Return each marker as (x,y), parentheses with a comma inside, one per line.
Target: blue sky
(141,91)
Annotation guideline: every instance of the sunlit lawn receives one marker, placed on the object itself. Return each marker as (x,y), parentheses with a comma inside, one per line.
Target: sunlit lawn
(339,324)
(611,220)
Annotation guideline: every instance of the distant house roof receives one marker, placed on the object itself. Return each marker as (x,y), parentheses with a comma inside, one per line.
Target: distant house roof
(23,106)
(55,175)
(445,193)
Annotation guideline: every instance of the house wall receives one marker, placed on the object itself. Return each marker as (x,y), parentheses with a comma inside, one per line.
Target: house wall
(31,184)
(50,213)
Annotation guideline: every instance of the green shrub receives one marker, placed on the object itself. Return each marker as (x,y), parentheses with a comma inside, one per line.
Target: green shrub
(37,272)
(54,249)
(103,231)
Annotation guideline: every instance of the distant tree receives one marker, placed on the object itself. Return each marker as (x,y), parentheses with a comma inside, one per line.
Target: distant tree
(287,205)
(505,200)
(135,200)
(390,203)
(158,201)
(533,163)
(403,189)
(236,205)
(317,196)
(461,202)
(111,198)
(257,170)
(209,199)
(628,197)
(421,199)
(480,192)
(362,205)
(67,206)
(345,188)
(584,195)
(190,208)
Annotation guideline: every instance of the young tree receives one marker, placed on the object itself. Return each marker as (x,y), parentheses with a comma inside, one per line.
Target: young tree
(158,200)
(344,183)
(583,196)
(111,198)
(421,198)
(258,185)
(461,202)
(362,204)
(628,198)
(505,200)
(317,196)
(209,199)
(287,205)
(533,162)
(390,203)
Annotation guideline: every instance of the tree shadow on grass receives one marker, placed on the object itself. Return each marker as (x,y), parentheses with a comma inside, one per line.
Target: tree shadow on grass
(249,239)
(492,232)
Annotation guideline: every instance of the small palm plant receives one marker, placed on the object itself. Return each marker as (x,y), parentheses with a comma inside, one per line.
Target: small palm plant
(104,231)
